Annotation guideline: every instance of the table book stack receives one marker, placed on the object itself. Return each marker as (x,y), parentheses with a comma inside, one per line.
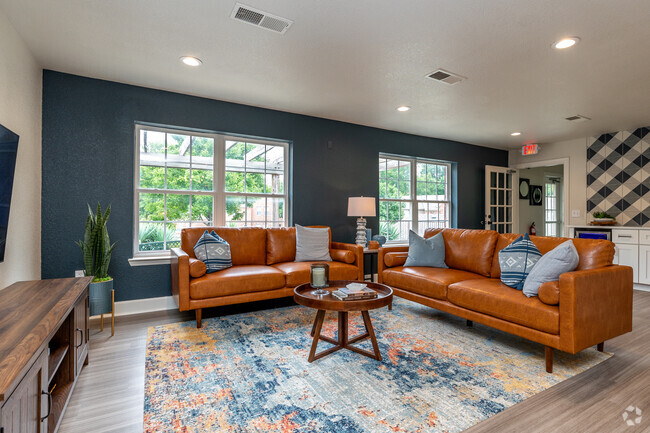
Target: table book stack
(353,292)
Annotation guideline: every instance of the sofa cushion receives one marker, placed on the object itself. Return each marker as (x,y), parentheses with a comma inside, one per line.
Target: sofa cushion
(593,253)
(468,250)
(247,244)
(214,251)
(345,256)
(312,244)
(395,258)
(236,280)
(431,282)
(197,268)
(299,272)
(549,293)
(280,245)
(561,259)
(426,252)
(490,296)
(516,261)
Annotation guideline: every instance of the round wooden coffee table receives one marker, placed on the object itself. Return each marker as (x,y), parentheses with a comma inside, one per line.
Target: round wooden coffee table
(303,296)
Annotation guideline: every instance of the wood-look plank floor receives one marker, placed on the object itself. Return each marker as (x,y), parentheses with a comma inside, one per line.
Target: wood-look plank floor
(109,396)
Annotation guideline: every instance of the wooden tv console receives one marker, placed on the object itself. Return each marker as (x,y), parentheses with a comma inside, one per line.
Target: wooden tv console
(43,347)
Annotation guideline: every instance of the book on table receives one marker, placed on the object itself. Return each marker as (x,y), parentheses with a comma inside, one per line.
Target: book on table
(344,296)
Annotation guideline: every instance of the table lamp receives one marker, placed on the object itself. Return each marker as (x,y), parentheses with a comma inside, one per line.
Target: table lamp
(360,207)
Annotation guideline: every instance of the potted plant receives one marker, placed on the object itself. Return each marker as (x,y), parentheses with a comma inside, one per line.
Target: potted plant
(96,249)
(603,218)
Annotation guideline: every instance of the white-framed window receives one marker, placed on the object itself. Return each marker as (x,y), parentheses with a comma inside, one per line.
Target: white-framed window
(551,221)
(194,179)
(414,193)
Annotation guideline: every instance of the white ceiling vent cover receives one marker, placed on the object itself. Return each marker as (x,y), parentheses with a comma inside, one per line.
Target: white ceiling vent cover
(445,76)
(260,18)
(577,118)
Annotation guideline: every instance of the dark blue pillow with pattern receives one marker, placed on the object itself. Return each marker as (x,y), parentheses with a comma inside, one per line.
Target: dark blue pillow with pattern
(516,261)
(214,251)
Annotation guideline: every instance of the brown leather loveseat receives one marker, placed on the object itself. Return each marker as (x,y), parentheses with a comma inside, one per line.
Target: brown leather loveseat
(263,267)
(582,309)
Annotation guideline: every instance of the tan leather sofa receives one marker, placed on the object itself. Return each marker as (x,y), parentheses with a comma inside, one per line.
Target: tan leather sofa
(582,309)
(263,267)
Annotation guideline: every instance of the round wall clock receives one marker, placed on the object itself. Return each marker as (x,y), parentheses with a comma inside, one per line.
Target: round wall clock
(524,189)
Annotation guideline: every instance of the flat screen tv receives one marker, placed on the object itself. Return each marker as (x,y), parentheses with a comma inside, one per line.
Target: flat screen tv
(8,151)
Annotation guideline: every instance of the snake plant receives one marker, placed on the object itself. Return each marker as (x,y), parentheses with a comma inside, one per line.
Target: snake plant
(96,246)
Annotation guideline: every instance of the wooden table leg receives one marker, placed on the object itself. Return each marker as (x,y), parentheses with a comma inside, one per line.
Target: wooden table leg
(343,328)
(313,328)
(373,339)
(320,316)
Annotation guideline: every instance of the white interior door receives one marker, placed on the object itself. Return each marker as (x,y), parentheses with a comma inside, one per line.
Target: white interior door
(501,199)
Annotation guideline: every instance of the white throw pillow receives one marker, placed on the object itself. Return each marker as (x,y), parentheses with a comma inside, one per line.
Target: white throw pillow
(312,244)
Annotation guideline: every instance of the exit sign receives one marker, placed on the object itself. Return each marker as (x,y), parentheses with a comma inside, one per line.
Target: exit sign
(529,149)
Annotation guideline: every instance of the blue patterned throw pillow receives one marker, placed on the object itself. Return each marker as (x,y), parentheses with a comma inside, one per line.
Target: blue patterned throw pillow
(516,261)
(214,251)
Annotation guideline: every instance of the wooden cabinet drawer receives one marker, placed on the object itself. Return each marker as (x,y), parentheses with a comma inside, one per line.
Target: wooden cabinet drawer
(625,236)
(644,237)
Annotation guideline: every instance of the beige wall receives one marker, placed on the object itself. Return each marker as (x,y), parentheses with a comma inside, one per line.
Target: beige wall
(576,152)
(20,111)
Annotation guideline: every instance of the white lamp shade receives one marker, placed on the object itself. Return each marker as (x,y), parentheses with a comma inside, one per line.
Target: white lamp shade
(361,206)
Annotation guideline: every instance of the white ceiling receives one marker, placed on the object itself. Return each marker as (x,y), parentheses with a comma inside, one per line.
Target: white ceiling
(356,61)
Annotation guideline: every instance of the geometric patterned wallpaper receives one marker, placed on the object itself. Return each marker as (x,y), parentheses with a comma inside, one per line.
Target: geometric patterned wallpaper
(618,176)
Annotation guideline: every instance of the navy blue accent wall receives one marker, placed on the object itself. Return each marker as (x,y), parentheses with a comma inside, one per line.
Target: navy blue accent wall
(88,156)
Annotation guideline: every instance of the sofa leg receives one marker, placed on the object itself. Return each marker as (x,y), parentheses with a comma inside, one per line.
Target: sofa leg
(470,323)
(601,347)
(549,359)
(198,312)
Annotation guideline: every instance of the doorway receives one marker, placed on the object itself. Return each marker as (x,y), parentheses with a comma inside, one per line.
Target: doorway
(543,205)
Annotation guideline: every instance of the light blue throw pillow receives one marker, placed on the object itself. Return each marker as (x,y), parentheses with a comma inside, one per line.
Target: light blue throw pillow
(214,251)
(561,259)
(426,252)
(516,261)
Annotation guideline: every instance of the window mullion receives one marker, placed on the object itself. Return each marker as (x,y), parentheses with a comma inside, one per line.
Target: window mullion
(414,196)
(219,186)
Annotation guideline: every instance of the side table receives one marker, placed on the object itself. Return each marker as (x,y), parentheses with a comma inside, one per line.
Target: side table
(373,261)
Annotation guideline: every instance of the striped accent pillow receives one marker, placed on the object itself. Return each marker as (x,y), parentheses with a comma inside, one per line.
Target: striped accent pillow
(516,261)
(214,251)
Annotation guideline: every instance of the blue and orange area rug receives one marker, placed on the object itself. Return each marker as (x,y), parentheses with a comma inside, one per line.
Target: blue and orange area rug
(249,373)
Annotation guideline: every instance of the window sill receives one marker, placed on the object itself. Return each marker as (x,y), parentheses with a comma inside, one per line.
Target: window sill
(150,260)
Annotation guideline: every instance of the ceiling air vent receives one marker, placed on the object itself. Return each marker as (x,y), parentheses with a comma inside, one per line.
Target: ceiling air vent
(445,76)
(577,118)
(260,18)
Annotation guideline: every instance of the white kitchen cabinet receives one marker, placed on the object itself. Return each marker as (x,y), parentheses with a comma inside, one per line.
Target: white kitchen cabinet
(628,255)
(644,264)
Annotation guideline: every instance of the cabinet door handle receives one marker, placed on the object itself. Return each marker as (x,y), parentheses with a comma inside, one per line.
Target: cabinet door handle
(82,338)
(49,404)
(624,236)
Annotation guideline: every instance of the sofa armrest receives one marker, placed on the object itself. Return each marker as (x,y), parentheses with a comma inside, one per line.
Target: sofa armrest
(180,266)
(357,250)
(381,259)
(595,305)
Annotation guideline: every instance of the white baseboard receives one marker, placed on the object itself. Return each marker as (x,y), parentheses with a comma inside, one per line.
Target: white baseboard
(642,287)
(148,305)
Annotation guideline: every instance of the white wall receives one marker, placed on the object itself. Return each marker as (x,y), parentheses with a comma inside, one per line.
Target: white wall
(20,111)
(576,151)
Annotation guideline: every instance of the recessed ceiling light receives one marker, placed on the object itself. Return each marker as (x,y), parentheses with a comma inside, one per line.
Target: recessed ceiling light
(191,61)
(566,43)
(403,108)
(514,134)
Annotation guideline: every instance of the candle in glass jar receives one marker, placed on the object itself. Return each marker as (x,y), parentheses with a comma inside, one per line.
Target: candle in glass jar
(318,277)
